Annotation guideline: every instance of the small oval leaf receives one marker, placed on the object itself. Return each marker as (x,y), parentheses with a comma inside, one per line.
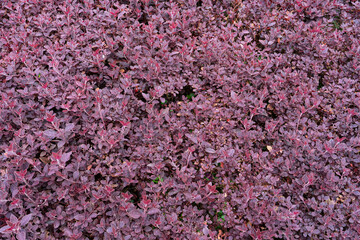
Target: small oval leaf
(210,150)
(134,214)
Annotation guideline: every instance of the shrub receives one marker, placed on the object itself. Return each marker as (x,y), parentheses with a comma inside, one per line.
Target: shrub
(179,119)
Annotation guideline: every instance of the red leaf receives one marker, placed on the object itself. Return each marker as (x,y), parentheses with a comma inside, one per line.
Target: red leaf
(158,221)
(146,201)
(212,188)
(109,189)
(125,123)
(126,195)
(15,202)
(21,174)
(96,196)
(56,156)
(50,118)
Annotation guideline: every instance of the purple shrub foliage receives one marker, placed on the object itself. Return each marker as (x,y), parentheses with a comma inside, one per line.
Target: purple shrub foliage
(184,119)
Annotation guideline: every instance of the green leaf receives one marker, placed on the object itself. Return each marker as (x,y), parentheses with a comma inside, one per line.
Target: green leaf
(156,180)
(221,216)
(190,96)
(336,25)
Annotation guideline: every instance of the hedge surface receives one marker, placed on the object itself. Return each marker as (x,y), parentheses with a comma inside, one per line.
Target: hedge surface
(183,119)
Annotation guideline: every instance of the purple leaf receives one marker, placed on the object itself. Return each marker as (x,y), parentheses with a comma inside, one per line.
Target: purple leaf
(4,229)
(153,211)
(69,127)
(13,219)
(26,219)
(234,97)
(192,138)
(134,213)
(65,157)
(51,133)
(205,231)
(231,152)
(21,235)
(79,217)
(146,96)
(76,174)
(210,150)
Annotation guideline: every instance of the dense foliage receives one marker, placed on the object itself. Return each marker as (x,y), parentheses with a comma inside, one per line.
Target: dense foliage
(186,119)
